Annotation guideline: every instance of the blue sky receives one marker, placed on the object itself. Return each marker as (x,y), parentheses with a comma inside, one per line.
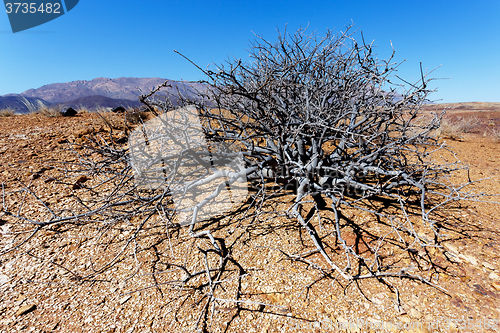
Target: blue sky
(111,38)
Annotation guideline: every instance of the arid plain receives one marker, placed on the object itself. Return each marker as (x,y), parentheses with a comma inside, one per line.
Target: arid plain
(40,295)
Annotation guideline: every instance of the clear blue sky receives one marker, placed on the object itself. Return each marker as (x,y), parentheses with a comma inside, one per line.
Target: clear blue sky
(111,38)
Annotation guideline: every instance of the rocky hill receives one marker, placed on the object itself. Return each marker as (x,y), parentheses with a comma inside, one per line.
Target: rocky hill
(20,103)
(121,88)
(96,101)
(104,92)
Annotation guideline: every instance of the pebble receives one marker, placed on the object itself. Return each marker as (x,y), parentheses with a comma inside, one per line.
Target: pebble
(125,298)
(4,279)
(415,314)
(451,248)
(488,265)
(468,258)
(25,309)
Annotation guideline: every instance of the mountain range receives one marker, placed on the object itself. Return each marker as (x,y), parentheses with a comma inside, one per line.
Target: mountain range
(99,92)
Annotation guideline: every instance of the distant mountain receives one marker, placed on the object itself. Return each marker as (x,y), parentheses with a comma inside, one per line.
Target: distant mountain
(104,92)
(121,88)
(96,101)
(21,104)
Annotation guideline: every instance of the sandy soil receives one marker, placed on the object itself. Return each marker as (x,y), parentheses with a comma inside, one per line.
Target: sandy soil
(39,295)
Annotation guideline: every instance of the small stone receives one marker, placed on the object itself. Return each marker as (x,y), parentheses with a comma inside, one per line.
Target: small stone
(25,309)
(468,258)
(444,277)
(55,326)
(79,182)
(493,276)
(48,180)
(414,313)
(451,248)
(423,237)
(405,319)
(124,299)
(4,279)
(61,244)
(453,256)
(488,265)
(82,132)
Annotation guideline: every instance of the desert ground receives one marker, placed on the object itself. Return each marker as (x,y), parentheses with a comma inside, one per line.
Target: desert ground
(40,294)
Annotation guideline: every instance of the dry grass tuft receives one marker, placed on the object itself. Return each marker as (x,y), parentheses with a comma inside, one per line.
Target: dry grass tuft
(120,121)
(110,119)
(7,112)
(455,128)
(54,111)
(82,109)
(495,134)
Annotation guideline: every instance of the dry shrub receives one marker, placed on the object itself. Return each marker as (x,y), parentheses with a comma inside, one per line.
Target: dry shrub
(469,124)
(120,121)
(82,109)
(495,134)
(47,111)
(135,116)
(7,112)
(110,119)
(455,128)
(450,130)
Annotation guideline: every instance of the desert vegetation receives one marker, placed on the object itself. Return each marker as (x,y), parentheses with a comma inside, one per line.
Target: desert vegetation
(7,112)
(49,111)
(455,129)
(325,147)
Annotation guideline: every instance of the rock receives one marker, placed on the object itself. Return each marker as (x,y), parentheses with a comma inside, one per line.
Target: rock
(55,325)
(41,170)
(25,309)
(119,109)
(124,299)
(121,140)
(423,237)
(468,258)
(70,112)
(79,182)
(82,132)
(415,314)
(493,276)
(451,248)
(496,285)
(4,279)
(488,265)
